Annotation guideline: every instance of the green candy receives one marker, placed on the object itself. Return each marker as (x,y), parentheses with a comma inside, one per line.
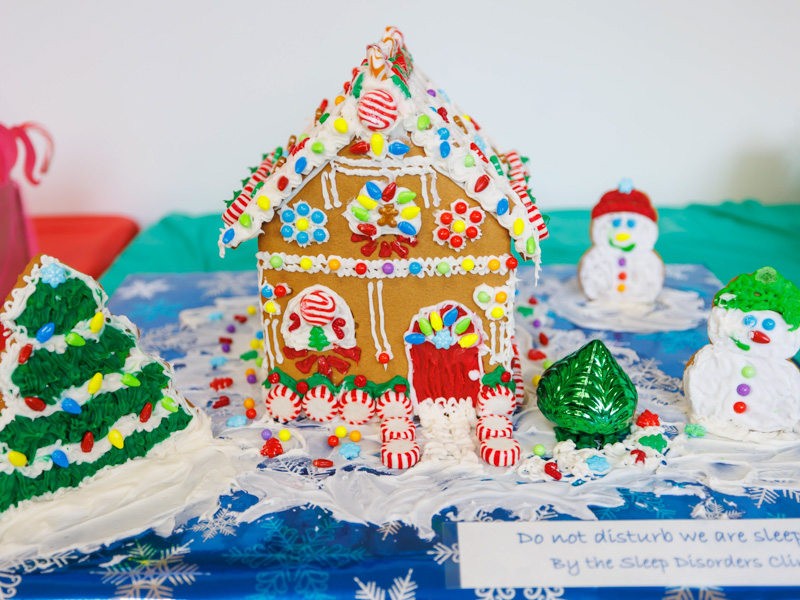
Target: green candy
(423,122)
(317,147)
(259,360)
(276,261)
(483,297)
(324,117)
(656,442)
(539,450)
(249,355)
(695,430)
(130,380)
(463,325)
(748,371)
(404,197)
(443,267)
(530,245)
(425,326)
(244,220)
(469,160)
(589,397)
(360,213)
(73,339)
(169,404)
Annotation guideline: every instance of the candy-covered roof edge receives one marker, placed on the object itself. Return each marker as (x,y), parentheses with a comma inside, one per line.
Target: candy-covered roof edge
(426,116)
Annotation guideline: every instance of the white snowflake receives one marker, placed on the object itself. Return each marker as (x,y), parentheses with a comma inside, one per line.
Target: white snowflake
(543,593)
(442,553)
(11,572)
(495,593)
(8,584)
(148,573)
(224,522)
(711,509)
(139,288)
(763,495)
(390,528)
(227,283)
(403,588)
(684,593)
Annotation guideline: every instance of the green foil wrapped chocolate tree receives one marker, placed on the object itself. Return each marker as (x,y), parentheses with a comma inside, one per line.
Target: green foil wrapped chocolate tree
(589,397)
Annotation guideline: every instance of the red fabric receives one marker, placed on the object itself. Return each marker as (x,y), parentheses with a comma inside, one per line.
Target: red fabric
(616,201)
(16,243)
(88,243)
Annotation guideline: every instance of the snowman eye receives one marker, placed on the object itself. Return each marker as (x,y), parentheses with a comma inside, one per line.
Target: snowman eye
(617,222)
(749,321)
(768,324)
(631,223)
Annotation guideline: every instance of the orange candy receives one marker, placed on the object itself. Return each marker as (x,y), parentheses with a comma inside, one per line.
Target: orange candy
(355,436)
(334,264)
(249,403)
(494,264)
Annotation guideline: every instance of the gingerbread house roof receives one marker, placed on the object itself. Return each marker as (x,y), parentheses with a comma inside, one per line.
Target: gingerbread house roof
(387,104)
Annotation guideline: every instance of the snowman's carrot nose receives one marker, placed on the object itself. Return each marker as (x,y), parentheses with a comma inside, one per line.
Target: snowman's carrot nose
(623,237)
(759,337)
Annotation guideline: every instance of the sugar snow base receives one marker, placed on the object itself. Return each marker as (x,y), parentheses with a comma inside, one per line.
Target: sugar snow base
(180,478)
(673,310)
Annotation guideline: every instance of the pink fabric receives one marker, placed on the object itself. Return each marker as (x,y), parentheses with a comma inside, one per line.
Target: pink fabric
(16,249)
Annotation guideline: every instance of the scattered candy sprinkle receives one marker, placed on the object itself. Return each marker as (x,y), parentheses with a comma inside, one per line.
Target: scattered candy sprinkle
(284,435)
(350,450)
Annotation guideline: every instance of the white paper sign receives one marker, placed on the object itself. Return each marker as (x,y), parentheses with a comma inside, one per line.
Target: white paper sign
(751,552)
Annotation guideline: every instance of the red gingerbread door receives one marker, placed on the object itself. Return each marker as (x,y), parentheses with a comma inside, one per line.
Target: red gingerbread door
(444,345)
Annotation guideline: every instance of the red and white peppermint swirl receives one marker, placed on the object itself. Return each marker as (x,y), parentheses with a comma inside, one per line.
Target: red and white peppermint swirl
(399,454)
(377,110)
(398,428)
(320,404)
(283,404)
(492,426)
(393,404)
(500,451)
(498,400)
(356,407)
(317,308)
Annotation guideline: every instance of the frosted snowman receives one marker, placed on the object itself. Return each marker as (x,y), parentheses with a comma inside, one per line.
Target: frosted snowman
(744,381)
(621,265)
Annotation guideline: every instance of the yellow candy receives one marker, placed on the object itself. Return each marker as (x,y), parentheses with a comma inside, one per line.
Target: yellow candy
(410,212)
(467,264)
(249,403)
(355,436)
(459,226)
(501,297)
(494,265)
(306,263)
(340,125)
(334,264)
(519,226)
(436,321)
(536,379)
(251,310)
(263,202)
(377,143)
(340,431)
(339,100)
(621,287)
(95,382)
(366,202)
(256,344)
(284,435)
(302,224)
(96,324)
(115,437)
(497,312)
(270,307)
(18,459)
(468,340)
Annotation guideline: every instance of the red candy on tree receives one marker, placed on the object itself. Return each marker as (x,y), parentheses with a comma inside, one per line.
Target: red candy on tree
(543,339)
(333,441)
(147,411)
(640,455)
(87,442)
(533,301)
(225,340)
(511,262)
(322,463)
(25,353)
(536,355)
(386,250)
(505,377)
(360,381)
(361,268)
(34,403)
(551,469)
(302,387)
(482,183)
(219,383)
(361,147)
(272,448)
(251,413)
(282,183)
(648,419)
(274,377)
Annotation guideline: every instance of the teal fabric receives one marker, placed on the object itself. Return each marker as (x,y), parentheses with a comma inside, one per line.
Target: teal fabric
(730,238)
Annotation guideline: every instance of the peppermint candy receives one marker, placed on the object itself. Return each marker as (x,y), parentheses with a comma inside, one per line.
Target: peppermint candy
(399,454)
(498,400)
(320,404)
(398,428)
(356,407)
(393,404)
(317,308)
(492,426)
(283,404)
(377,110)
(500,451)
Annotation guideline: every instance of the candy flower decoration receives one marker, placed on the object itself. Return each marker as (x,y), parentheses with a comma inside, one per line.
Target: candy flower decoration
(493,300)
(459,224)
(272,293)
(383,208)
(303,225)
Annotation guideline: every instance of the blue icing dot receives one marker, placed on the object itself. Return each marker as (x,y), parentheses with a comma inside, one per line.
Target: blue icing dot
(415,267)
(749,321)
(398,148)
(768,324)
(226,239)
(45,332)
(259,335)
(302,209)
(631,223)
(373,190)
(598,464)
(318,216)
(60,459)
(444,133)
(69,405)
(616,222)
(502,207)
(237,421)
(320,235)
(300,165)
(350,450)
(267,291)
(215,316)
(287,216)
(287,231)
(444,149)
(217,361)
(407,228)
(415,338)
(302,237)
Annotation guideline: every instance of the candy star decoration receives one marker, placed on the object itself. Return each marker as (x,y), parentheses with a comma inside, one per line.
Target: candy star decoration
(72,402)
(588,396)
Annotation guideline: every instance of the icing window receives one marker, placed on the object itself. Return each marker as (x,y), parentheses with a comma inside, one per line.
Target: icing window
(303,224)
(318,319)
(459,224)
(383,208)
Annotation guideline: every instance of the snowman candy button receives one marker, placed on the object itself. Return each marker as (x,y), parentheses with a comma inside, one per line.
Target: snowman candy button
(621,265)
(744,381)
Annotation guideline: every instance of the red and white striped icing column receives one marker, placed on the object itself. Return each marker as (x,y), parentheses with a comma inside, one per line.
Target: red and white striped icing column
(516,174)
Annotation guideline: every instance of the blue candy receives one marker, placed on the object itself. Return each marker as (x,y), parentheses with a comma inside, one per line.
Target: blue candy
(259,335)
(287,231)
(415,268)
(444,133)
(480,143)
(302,237)
(415,338)
(226,239)
(450,317)
(302,209)
(60,459)
(300,165)
(287,216)
(407,228)
(69,405)
(398,148)
(444,149)
(53,275)
(45,332)
(236,421)
(350,450)
(598,464)
(318,216)
(267,291)
(320,235)
(373,190)
(215,316)
(217,361)
(502,207)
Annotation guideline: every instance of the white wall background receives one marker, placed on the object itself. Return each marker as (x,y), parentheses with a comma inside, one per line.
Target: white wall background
(160,106)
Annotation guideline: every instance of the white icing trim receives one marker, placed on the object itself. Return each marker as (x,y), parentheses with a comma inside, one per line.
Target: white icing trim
(276,344)
(387,346)
(378,349)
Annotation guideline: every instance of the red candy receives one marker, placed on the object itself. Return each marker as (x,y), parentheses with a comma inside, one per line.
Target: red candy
(648,419)
(36,404)
(551,469)
(251,413)
(472,232)
(219,383)
(543,339)
(740,407)
(361,268)
(482,183)
(505,377)
(367,229)
(511,262)
(274,378)
(384,358)
(25,353)
(361,147)
(147,411)
(282,183)
(536,355)
(225,340)
(87,443)
(443,113)
(400,388)
(533,301)
(322,463)
(388,193)
(446,218)
(272,448)
(475,216)
(460,207)
(360,381)
(443,233)
(639,454)
(280,291)
(456,241)
(302,387)
(223,401)
(240,318)
(333,441)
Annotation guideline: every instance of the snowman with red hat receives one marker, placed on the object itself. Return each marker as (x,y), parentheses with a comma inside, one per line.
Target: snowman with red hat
(622,265)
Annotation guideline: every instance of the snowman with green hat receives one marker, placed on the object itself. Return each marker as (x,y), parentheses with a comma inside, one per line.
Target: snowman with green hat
(743,384)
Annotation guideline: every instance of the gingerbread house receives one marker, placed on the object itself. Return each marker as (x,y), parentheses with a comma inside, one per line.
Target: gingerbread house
(385,255)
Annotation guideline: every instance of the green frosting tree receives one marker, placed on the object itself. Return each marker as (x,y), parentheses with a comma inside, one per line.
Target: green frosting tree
(589,397)
(317,338)
(77,394)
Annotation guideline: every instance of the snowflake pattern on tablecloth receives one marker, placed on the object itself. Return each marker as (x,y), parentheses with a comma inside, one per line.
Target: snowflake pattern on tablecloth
(636,501)
(441,553)
(169,337)
(228,283)
(145,289)
(761,496)
(711,509)
(685,593)
(389,529)
(11,572)
(224,522)
(403,588)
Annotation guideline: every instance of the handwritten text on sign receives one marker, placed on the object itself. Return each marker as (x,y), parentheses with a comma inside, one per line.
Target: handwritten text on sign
(753,552)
